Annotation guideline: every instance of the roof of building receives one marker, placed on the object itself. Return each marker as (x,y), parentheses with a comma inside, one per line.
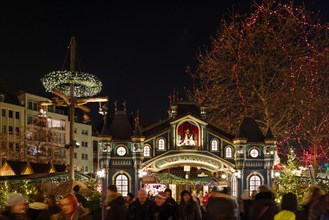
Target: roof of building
(17,166)
(120,128)
(184,107)
(41,167)
(250,130)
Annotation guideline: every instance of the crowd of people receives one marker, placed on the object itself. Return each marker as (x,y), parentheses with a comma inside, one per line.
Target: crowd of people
(216,205)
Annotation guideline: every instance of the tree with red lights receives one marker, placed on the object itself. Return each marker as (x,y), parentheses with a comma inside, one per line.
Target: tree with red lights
(268,64)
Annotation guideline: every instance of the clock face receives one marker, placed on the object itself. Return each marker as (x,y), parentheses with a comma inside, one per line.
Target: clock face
(254,153)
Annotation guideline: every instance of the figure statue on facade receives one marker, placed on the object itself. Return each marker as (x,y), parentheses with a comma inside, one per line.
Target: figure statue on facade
(188,138)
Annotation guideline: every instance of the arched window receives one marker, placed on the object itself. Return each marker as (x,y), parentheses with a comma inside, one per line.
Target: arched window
(254,182)
(214,145)
(121,182)
(234,186)
(228,152)
(161,144)
(147,151)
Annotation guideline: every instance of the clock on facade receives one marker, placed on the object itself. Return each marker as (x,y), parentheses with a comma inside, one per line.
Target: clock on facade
(121,151)
(254,153)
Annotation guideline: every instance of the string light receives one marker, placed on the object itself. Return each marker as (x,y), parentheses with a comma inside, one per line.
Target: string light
(85,84)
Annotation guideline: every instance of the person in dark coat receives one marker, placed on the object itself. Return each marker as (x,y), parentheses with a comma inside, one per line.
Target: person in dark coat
(115,205)
(141,208)
(36,207)
(170,199)
(162,210)
(245,204)
(81,199)
(15,208)
(264,206)
(313,195)
(52,209)
(220,206)
(189,209)
(319,208)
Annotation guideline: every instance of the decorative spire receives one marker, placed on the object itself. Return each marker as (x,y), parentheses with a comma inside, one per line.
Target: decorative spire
(137,135)
(269,134)
(115,106)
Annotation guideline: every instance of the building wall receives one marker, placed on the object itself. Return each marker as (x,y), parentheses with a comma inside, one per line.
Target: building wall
(83,159)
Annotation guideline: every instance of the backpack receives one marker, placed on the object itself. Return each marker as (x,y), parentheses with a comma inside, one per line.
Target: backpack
(285,215)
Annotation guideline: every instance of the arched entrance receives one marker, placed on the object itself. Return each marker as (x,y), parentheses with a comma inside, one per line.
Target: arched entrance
(195,171)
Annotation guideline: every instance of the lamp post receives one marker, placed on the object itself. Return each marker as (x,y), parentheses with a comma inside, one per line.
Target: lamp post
(101,175)
(73,89)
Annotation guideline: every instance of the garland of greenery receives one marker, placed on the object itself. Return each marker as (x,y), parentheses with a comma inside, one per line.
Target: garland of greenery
(85,84)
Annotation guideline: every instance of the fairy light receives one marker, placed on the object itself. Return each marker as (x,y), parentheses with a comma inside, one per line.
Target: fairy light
(85,84)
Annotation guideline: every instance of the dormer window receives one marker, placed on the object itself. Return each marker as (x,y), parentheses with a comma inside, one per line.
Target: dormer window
(161,144)
(228,152)
(214,145)
(147,151)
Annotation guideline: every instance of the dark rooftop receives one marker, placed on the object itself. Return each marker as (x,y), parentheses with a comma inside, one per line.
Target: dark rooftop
(250,130)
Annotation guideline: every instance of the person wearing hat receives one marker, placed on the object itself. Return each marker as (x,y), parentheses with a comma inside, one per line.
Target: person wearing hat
(15,207)
(162,210)
(220,205)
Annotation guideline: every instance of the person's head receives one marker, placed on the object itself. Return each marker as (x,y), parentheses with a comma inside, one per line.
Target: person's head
(16,203)
(263,188)
(142,195)
(51,200)
(112,189)
(168,193)
(76,188)
(68,204)
(313,194)
(289,202)
(185,196)
(130,197)
(187,131)
(253,194)
(160,199)
(215,190)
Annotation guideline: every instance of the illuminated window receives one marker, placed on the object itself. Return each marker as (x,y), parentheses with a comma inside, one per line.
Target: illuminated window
(214,145)
(121,182)
(228,152)
(147,151)
(234,186)
(121,151)
(254,183)
(161,144)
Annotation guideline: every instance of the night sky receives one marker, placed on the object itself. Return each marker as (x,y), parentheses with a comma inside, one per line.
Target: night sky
(140,50)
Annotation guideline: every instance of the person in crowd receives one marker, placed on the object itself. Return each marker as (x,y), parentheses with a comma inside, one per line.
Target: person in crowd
(189,209)
(70,210)
(264,206)
(200,196)
(141,208)
(150,195)
(36,207)
(52,209)
(129,199)
(289,208)
(162,210)
(220,206)
(15,207)
(313,194)
(320,208)
(171,200)
(81,199)
(115,204)
(205,199)
(245,203)
(253,194)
